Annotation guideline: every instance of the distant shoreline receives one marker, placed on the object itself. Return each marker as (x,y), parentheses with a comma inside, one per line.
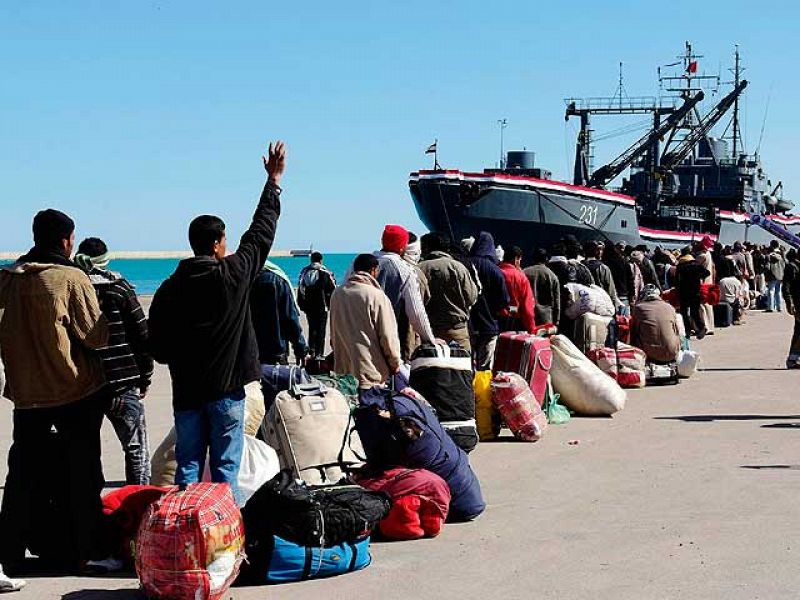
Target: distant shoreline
(145,254)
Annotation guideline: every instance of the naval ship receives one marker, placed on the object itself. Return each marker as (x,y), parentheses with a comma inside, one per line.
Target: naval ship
(682,183)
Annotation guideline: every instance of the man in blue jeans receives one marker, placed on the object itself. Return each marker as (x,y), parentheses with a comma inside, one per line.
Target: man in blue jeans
(200,327)
(776,265)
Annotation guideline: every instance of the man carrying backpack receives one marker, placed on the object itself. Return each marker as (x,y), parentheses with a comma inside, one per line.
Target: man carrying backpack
(200,326)
(314,292)
(128,367)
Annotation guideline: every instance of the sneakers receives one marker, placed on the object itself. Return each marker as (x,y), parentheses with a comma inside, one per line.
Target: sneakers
(10,585)
(101,567)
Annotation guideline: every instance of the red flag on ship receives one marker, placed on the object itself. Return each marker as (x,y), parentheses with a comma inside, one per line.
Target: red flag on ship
(692,68)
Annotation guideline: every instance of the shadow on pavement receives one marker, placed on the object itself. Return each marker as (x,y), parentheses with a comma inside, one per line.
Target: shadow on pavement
(122,594)
(725,369)
(782,426)
(780,467)
(709,418)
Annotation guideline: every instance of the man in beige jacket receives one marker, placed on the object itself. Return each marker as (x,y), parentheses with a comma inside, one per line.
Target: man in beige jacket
(50,326)
(364,327)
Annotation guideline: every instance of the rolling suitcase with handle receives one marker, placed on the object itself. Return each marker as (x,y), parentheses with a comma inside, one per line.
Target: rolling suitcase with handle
(527,355)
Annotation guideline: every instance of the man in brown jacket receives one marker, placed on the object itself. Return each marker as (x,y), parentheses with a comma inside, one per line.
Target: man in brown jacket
(364,328)
(50,325)
(654,327)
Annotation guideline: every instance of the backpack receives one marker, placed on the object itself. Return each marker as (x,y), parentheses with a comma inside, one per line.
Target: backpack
(315,516)
(311,289)
(190,543)
(420,502)
(311,429)
(401,429)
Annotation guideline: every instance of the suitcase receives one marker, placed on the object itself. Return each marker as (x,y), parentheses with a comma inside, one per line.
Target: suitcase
(623,329)
(311,429)
(527,355)
(723,315)
(625,364)
(591,331)
(657,374)
(443,374)
(190,543)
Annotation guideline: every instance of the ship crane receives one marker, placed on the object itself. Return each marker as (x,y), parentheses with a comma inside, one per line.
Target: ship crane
(610,171)
(686,145)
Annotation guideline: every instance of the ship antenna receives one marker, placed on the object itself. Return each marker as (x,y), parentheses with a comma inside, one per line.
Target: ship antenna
(737,71)
(764,122)
(503,124)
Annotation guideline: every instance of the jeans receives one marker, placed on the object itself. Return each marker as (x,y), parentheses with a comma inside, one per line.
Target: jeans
(216,428)
(317,330)
(793,361)
(51,501)
(126,413)
(774,295)
(483,346)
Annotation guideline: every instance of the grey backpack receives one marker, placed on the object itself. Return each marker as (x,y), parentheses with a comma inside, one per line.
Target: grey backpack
(311,428)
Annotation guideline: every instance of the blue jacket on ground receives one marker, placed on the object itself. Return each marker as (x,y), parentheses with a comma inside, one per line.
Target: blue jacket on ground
(493,296)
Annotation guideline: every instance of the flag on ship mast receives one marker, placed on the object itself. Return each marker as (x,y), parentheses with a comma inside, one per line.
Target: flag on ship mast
(692,68)
(434,149)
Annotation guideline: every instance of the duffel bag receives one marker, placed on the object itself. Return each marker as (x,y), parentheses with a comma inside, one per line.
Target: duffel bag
(190,544)
(313,515)
(442,373)
(276,560)
(312,431)
(625,364)
(588,299)
(521,412)
(400,429)
(280,378)
(420,502)
(582,386)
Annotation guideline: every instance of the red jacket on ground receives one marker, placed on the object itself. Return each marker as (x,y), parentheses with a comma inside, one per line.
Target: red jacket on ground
(521,295)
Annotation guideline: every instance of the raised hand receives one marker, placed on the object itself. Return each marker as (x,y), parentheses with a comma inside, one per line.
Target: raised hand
(276,162)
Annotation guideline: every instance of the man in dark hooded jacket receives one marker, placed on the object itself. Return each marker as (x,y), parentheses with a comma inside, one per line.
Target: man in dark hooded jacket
(492,299)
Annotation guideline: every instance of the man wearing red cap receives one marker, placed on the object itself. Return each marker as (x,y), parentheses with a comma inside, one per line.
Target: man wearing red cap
(398,280)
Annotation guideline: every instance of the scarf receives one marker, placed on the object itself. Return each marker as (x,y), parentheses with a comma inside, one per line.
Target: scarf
(50,256)
(87,263)
(413,252)
(364,278)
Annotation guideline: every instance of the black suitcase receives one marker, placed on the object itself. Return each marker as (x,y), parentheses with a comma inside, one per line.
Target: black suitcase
(723,315)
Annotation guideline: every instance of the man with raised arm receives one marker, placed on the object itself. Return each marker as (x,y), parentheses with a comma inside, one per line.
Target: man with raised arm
(200,326)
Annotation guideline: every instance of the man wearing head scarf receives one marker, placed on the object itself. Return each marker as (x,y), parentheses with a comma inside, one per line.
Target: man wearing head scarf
(654,327)
(400,283)
(492,299)
(50,331)
(128,367)
(409,339)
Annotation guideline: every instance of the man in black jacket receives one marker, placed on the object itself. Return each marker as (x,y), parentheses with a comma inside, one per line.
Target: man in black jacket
(791,295)
(689,277)
(200,326)
(492,298)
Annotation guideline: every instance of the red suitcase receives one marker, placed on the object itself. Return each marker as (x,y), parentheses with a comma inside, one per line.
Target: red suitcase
(624,329)
(528,355)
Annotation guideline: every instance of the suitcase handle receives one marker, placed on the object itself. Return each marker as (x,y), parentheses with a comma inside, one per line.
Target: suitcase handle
(316,388)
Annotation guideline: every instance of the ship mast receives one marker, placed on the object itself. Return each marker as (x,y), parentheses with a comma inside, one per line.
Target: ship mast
(737,71)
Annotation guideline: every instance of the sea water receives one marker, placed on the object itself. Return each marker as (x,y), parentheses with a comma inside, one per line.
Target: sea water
(146,274)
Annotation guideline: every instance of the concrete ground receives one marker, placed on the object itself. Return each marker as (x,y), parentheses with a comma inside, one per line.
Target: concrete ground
(690,492)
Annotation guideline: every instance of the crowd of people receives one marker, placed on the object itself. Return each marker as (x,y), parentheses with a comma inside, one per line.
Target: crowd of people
(77,345)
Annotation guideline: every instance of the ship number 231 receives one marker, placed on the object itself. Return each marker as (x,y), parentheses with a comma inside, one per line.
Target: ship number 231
(589,214)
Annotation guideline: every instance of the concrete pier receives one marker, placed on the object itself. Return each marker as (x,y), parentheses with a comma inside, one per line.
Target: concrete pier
(690,492)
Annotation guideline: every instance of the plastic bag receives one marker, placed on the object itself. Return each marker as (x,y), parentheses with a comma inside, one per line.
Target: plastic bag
(259,464)
(486,416)
(556,413)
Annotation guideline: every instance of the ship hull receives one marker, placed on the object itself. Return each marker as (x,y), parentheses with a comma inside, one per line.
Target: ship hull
(532,213)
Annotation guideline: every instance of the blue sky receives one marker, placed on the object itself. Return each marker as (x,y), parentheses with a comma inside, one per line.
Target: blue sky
(134,117)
